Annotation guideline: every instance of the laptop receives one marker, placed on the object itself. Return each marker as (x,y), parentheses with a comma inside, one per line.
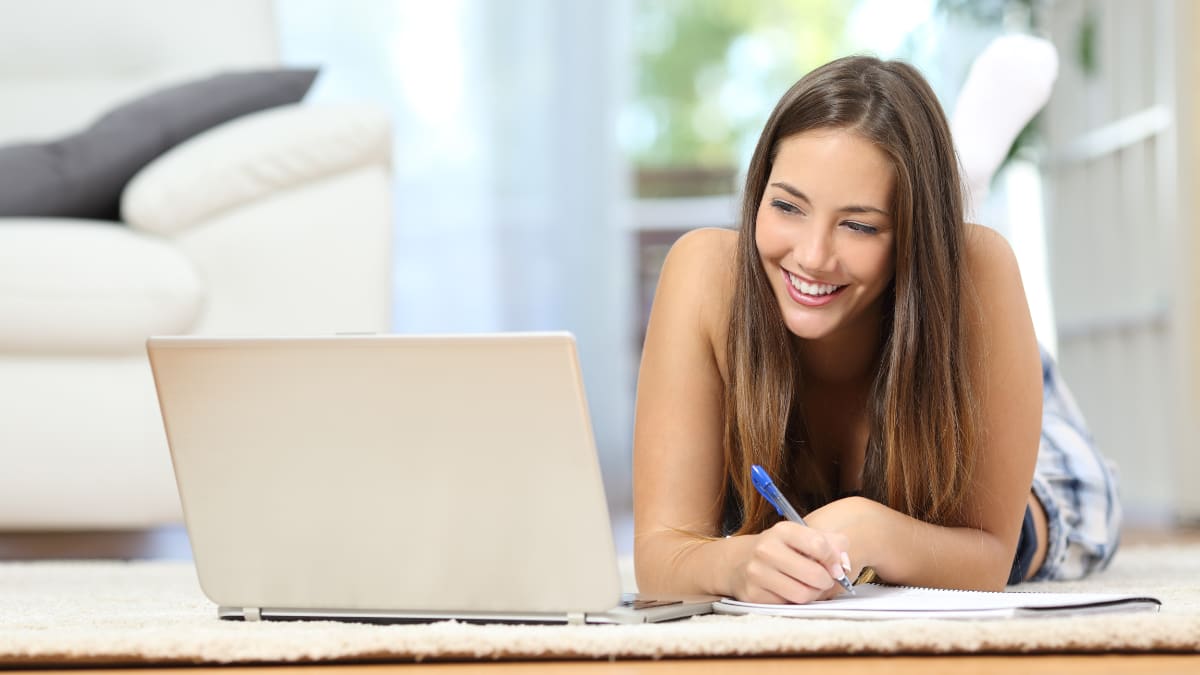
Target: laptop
(389,478)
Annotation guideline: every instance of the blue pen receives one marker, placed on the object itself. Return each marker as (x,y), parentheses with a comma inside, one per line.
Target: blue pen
(766,488)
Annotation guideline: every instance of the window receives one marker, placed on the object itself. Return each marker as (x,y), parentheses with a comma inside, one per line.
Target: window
(708,74)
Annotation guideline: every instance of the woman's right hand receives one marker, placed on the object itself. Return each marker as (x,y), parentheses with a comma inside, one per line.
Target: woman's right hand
(790,563)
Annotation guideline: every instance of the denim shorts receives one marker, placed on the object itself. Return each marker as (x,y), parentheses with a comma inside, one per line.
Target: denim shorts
(1076,486)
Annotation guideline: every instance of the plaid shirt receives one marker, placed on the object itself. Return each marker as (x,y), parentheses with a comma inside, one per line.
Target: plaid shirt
(1076,486)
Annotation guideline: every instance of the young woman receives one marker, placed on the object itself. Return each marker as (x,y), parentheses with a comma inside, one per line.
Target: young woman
(876,355)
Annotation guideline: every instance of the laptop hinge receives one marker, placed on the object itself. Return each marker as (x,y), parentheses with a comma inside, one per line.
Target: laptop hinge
(576,618)
(252,613)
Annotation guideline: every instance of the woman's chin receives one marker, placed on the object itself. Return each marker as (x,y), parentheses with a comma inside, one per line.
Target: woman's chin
(807,329)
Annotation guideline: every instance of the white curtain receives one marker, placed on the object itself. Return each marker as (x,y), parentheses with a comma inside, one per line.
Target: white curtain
(511,195)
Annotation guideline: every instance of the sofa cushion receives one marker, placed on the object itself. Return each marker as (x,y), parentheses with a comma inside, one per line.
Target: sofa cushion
(82,175)
(75,286)
(251,158)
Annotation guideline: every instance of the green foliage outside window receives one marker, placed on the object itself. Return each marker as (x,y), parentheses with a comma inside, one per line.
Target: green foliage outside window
(709,72)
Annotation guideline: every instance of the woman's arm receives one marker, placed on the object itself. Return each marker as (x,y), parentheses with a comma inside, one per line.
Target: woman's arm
(678,450)
(1007,375)
(677,445)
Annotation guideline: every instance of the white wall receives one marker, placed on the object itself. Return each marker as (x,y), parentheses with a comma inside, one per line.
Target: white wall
(1117,243)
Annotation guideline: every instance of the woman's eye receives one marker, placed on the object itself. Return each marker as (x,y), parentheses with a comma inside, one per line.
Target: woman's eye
(784,206)
(861,227)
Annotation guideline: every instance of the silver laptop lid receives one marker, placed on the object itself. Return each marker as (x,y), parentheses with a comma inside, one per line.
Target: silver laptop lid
(412,473)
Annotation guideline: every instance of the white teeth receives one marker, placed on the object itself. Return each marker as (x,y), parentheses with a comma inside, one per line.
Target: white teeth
(811,289)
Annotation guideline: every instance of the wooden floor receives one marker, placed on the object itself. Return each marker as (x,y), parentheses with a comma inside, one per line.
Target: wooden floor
(892,665)
(172,543)
(168,543)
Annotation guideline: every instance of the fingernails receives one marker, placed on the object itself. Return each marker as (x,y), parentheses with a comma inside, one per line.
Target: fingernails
(846,562)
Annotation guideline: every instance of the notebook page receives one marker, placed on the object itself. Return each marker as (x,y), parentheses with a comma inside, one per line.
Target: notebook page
(874,601)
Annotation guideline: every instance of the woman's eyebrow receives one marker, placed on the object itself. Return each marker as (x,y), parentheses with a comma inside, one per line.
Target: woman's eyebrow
(792,191)
(854,208)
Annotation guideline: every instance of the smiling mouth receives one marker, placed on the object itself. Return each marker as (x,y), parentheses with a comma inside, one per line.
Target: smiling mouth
(811,289)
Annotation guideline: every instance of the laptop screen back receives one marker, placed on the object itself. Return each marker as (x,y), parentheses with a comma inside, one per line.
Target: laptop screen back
(414,473)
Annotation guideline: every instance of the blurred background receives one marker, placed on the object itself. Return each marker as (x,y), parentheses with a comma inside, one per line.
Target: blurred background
(545,154)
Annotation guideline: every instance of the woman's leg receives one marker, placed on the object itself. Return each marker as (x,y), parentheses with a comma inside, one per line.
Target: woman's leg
(1074,507)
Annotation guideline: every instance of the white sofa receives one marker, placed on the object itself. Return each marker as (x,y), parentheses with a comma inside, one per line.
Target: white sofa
(274,223)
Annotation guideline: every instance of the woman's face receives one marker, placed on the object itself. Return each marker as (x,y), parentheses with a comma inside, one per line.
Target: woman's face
(824,231)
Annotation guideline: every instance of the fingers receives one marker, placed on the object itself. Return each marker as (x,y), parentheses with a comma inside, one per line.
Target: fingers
(795,564)
(779,554)
(826,548)
(760,595)
(770,585)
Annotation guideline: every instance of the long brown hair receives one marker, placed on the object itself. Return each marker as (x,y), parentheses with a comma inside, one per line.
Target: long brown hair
(922,410)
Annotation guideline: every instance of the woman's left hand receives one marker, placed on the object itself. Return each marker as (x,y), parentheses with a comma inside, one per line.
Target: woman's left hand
(853,517)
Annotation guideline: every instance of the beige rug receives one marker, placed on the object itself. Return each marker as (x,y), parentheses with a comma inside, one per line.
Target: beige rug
(65,613)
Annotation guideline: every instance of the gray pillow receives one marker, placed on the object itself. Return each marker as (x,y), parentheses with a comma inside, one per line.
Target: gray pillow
(82,175)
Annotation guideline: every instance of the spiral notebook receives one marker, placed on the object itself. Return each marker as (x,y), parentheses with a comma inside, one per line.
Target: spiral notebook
(875,601)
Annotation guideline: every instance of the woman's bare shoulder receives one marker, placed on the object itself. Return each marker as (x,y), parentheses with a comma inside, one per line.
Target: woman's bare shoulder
(703,248)
(990,261)
(700,268)
(995,293)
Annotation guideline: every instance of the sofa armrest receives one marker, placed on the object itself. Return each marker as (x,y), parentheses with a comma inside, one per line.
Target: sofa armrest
(251,157)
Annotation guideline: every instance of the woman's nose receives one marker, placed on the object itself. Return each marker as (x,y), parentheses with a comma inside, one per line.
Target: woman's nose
(814,250)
